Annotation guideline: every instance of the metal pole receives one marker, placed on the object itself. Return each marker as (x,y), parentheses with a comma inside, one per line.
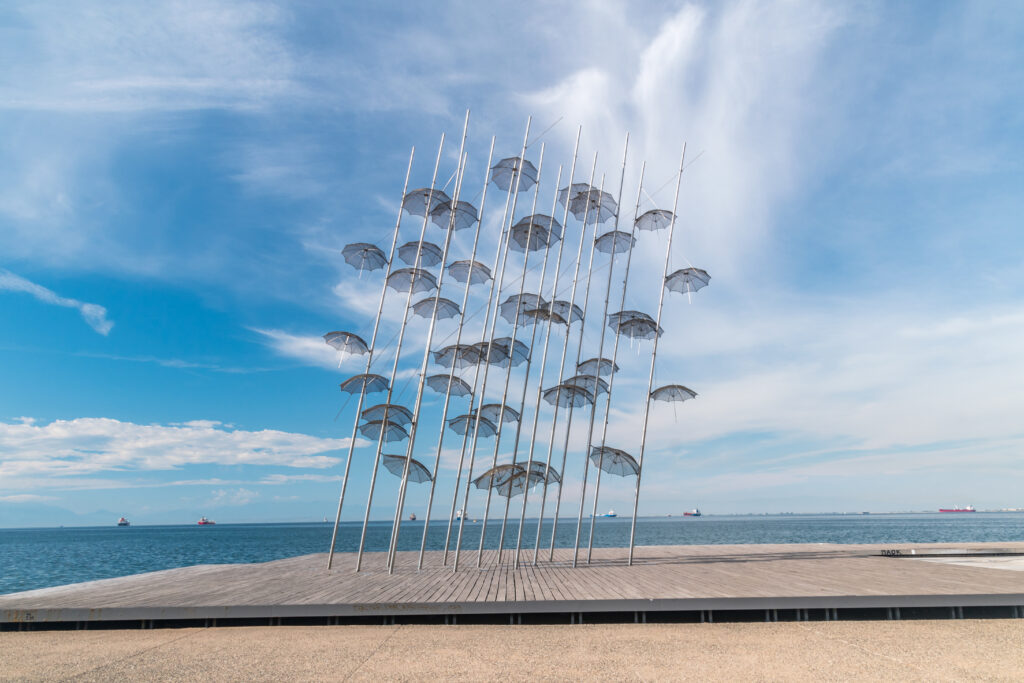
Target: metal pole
(565,353)
(544,360)
(654,357)
(369,360)
(600,351)
(529,359)
(451,375)
(394,366)
(496,295)
(508,373)
(579,350)
(418,402)
(615,355)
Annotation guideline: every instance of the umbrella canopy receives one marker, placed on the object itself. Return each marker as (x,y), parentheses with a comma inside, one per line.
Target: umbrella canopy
(465,215)
(569,311)
(396,466)
(464,424)
(597,366)
(640,329)
(424,200)
(508,480)
(595,385)
(455,387)
(416,278)
(517,304)
(364,384)
(587,202)
(503,174)
(392,430)
(495,354)
(436,306)
(530,237)
(616,319)
(687,280)
(364,256)
(346,342)
(542,221)
(474,271)
(492,410)
(544,315)
(655,219)
(461,355)
(428,252)
(615,241)
(515,350)
(673,392)
(394,413)
(543,472)
(614,461)
(568,395)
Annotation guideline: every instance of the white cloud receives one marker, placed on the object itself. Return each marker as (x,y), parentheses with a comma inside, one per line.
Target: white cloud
(238,496)
(26,498)
(94,314)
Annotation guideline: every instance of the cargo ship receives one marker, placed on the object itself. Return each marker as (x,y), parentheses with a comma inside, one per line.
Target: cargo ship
(123,522)
(695,512)
(969,508)
(203,521)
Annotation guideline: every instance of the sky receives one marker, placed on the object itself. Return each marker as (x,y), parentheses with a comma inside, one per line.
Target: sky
(177,181)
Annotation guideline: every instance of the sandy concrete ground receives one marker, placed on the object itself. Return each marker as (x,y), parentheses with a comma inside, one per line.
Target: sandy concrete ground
(908,650)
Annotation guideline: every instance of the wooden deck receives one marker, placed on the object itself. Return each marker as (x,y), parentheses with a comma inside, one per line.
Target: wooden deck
(692,579)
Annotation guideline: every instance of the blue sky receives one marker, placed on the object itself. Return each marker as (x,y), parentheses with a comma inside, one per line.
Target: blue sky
(177,180)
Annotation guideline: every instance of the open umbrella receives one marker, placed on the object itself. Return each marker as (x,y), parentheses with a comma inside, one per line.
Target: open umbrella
(396,466)
(466,269)
(492,410)
(673,393)
(517,304)
(595,385)
(462,355)
(419,279)
(597,366)
(464,424)
(367,384)
(495,354)
(615,240)
(655,219)
(347,344)
(542,472)
(393,431)
(364,256)
(428,252)
(424,200)
(515,350)
(503,174)
(441,384)
(568,395)
(614,461)
(616,319)
(395,413)
(586,201)
(436,306)
(569,311)
(687,280)
(465,215)
(530,237)
(548,224)
(640,329)
(544,315)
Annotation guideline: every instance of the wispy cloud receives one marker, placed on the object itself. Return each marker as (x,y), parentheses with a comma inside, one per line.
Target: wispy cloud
(94,314)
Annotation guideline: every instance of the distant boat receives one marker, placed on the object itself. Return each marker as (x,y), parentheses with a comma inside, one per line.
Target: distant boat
(695,512)
(458,514)
(969,508)
(123,522)
(203,521)
(610,513)
(325,520)
(412,516)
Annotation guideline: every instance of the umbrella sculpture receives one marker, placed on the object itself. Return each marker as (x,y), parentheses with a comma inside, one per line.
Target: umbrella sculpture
(504,172)
(587,202)
(364,256)
(687,280)
(394,412)
(544,315)
(527,236)
(616,319)
(429,253)
(396,466)
(568,395)
(673,393)
(597,366)
(515,350)
(614,461)
(424,200)
(548,224)
(393,431)
(364,384)
(465,215)
(493,353)
(517,304)
(595,385)
(471,270)
(463,424)
(640,329)
(416,278)
(436,306)
(347,344)
(509,480)
(655,219)
(492,410)
(569,311)
(615,241)
(441,384)
(462,355)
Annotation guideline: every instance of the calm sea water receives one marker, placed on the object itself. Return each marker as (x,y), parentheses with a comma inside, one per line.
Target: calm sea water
(36,558)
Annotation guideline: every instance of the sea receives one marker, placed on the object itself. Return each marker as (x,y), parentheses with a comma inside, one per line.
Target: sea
(39,558)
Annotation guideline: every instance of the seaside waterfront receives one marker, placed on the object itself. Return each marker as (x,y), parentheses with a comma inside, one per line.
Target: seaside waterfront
(38,558)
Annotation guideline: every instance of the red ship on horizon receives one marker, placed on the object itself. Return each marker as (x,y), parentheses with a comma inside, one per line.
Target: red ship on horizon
(969,508)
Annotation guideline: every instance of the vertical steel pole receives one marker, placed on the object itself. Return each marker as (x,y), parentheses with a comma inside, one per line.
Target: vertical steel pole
(615,356)
(451,375)
(369,360)
(654,357)
(579,350)
(394,366)
(508,373)
(529,359)
(600,351)
(418,402)
(496,295)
